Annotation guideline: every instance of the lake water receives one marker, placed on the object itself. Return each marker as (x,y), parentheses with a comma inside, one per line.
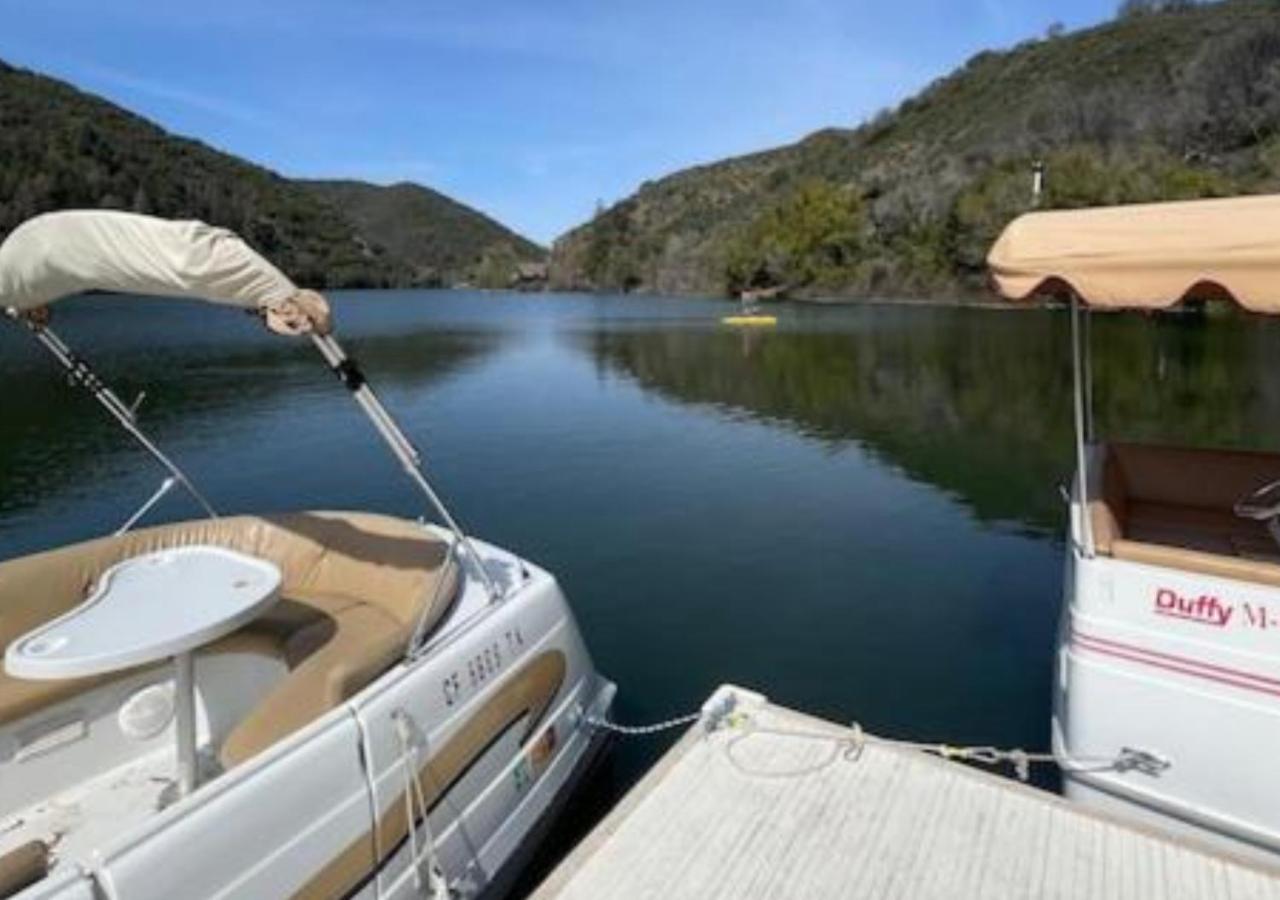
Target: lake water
(856,513)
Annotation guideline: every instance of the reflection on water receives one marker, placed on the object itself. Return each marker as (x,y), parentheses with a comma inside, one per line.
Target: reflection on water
(975,402)
(855,513)
(210,377)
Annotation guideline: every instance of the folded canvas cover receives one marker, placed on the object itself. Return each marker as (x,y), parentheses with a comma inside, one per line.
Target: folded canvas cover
(1147,256)
(63,253)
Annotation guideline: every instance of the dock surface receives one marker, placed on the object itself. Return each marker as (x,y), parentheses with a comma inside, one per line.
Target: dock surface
(766,809)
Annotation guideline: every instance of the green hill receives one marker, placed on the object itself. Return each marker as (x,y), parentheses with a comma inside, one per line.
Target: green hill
(1162,103)
(62,148)
(444,240)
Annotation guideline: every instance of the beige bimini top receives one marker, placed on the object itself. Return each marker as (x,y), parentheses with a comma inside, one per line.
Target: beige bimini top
(59,254)
(1147,256)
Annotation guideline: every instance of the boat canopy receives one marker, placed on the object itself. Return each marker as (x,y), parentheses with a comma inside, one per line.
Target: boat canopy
(59,254)
(1147,256)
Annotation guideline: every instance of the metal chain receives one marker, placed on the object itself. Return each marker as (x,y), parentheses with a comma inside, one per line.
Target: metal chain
(640,730)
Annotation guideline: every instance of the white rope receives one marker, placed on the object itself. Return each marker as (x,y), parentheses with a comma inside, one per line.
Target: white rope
(437,887)
(841,747)
(850,746)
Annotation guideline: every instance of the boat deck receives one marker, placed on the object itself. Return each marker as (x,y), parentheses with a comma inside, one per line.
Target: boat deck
(756,812)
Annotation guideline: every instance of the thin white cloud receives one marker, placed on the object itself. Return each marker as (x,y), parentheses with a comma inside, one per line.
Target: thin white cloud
(91,74)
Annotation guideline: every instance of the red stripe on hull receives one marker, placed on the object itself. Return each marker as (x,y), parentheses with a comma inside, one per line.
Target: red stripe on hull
(1180,664)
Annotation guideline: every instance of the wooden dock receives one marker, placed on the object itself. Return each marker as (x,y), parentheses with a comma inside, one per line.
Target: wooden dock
(755,812)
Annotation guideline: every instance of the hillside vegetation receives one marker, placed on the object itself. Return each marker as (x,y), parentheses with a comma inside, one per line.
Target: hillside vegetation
(446,241)
(1170,101)
(61,148)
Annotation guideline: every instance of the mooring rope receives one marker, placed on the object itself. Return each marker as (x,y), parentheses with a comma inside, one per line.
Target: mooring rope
(414,800)
(849,746)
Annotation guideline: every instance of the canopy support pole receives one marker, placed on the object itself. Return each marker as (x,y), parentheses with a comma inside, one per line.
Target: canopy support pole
(1088,376)
(1079,390)
(351,376)
(82,374)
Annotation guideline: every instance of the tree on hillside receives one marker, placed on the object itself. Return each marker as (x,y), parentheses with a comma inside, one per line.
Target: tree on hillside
(1130,8)
(1236,85)
(813,237)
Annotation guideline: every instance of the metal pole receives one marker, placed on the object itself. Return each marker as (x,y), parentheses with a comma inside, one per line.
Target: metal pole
(1088,375)
(1078,391)
(83,375)
(404,451)
(165,487)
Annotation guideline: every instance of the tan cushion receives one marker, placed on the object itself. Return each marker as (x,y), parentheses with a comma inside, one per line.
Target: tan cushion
(1196,561)
(1205,530)
(1109,511)
(1204,478)
(332,561)
(361,643)
(1172,507)
(23,866)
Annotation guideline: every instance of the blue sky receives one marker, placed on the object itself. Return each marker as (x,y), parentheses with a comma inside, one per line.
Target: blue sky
(530,111)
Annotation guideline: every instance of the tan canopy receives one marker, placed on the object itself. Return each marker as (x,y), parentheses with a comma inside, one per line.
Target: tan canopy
(63,253)
(1147,256)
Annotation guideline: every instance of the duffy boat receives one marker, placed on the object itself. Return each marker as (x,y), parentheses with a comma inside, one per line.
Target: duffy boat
(309,704)
(1167,696)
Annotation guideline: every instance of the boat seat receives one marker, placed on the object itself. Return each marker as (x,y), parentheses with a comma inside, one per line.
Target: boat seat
(22,867)
(352,647)
(1204,530)
(354,586)
(1172,506)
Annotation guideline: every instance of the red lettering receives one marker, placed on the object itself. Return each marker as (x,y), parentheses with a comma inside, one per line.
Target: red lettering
(1206,608)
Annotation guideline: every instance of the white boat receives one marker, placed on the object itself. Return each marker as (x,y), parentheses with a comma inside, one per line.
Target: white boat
(1167,696)
(358,705)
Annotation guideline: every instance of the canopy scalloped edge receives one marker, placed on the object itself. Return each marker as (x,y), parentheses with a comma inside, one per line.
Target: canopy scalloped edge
(1146,256)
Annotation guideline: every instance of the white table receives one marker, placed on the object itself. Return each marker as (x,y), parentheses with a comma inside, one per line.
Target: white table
(156,606)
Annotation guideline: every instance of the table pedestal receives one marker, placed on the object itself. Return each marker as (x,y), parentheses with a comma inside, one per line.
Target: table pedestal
(184,698)
(130,620)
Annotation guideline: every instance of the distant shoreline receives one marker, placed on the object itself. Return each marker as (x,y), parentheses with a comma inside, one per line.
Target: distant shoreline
(971,302)
(965,303)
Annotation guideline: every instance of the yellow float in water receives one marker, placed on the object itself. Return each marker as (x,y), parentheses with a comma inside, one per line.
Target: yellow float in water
(750,320)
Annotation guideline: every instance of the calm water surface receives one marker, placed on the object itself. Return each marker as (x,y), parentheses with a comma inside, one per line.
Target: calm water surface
(855,513)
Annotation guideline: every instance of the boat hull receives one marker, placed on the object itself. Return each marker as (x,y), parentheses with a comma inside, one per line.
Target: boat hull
(1177,674)
(458,756)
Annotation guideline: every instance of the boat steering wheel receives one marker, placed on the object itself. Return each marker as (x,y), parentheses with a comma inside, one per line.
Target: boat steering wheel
(1263,505)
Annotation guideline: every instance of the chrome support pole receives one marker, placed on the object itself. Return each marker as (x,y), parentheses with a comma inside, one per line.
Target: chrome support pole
(1088,376)
(1078,391)
(408,456)
(165,487)
(420,627)
(83,375)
